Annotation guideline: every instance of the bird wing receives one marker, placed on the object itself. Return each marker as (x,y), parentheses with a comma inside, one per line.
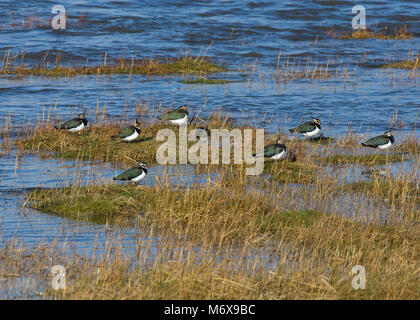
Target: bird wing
(129,174)
(376,141)
(304,127)
(173,115)
(126,132)
(273,149)
(70,124)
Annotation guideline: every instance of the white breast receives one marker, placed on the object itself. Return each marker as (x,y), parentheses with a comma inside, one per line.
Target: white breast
(279,155)
(131,137)
(78,128)
(180,122)
(312,133)
(385,146)
(140,177)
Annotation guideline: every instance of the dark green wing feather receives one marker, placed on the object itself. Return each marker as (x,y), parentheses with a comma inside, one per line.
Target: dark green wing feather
(129,174)
(127,131)
(304,127)
(273,149)
(70,124)
(173,115)
(376,141)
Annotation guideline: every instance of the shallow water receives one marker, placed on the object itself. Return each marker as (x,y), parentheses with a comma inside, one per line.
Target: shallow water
(30,227)
(396,170)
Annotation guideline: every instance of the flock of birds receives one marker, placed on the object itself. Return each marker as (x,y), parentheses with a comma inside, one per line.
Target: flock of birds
(179,116)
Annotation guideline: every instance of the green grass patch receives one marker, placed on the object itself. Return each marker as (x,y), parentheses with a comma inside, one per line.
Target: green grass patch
(94,204)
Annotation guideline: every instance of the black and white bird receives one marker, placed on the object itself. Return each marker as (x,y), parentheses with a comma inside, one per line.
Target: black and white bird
(134,174)
(383,141)
(129,133)
(274,151)
(76,124)
(308,129)
(178,116)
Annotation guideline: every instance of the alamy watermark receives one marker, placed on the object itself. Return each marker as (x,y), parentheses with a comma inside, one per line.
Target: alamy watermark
(358,21)
(59,277)
(59,21)
(198,153)
(359,280)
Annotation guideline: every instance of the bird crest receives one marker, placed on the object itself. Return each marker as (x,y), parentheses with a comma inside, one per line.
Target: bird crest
(137,123)
(142,165)
(82,116)
(278,139)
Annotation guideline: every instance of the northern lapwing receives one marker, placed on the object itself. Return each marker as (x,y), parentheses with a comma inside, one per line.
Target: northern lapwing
(178,116)
(274,151)
(383,141)
(129,133)
(76,124)
(134,174)
(308,129)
